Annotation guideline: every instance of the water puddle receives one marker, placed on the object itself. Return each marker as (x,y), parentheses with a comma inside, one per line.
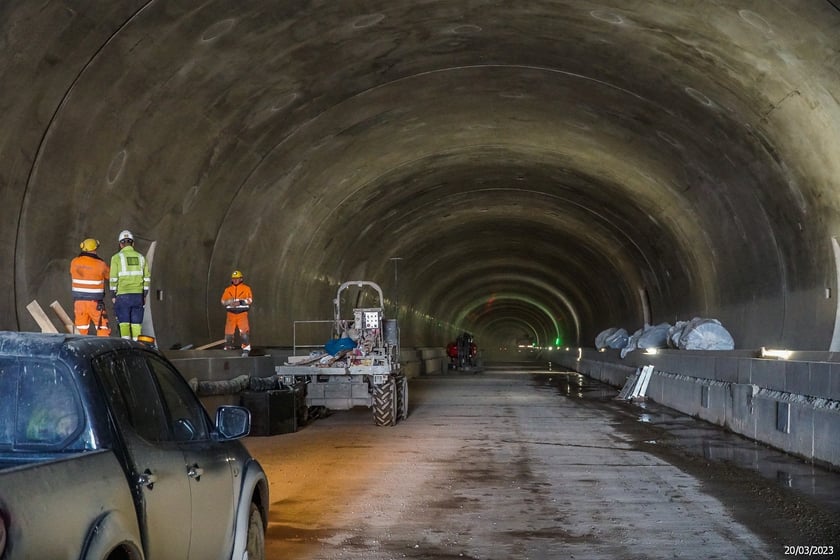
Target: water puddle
(660,426)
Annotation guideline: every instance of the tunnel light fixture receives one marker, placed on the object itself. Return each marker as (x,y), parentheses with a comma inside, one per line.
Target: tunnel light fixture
(580,354)
(775,353)
(651,351)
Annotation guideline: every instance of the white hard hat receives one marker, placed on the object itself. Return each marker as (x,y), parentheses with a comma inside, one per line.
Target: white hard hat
(125,235)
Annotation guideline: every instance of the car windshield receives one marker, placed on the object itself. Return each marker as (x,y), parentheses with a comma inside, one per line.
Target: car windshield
(39,405)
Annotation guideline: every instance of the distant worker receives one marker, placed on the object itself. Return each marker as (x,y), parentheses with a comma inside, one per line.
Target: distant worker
(237,299)
(130,281)
(88,275)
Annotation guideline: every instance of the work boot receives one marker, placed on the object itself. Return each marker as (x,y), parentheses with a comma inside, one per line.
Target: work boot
(229,342)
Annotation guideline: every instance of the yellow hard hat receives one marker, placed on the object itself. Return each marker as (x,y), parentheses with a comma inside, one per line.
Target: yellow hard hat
(236,274)
(89,245)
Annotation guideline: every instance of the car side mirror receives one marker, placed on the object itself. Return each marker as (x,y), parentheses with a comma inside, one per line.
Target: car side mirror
(233,422)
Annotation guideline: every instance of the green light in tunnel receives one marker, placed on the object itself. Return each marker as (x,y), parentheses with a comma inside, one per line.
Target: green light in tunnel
(558,342)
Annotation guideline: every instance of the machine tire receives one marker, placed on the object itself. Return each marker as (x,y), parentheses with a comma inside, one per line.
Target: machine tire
(301,407)
(256,535)
(384,404)
(402,397)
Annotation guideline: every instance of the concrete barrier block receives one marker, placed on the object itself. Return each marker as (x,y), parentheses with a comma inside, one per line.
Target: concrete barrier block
(826,442)
(820,379)
(801,440)
(411,369)
(427,353)
(834,382)
(741,418)
(700,366)
(766,422)
(744,371)
(655,386)
(684,394)
(726,369)
(769,374)
(224,368)
(798,378)
(433,366)
(409,355)
(616,374)
(717,400)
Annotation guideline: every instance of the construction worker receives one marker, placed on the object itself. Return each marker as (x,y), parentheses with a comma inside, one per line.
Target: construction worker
(130,281)
(237,299)
(88,275)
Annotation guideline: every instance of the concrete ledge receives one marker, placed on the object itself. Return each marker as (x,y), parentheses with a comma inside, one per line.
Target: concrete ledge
(222,366)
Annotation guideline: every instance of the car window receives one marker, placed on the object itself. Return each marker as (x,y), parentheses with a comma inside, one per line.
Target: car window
(133,395)
(41,405)
(150,397)
(187,417)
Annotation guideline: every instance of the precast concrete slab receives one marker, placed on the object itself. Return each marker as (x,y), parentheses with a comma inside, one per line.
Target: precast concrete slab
(517,464)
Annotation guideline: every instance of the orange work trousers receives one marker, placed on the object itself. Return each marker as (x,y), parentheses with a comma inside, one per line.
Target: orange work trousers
(89,311)
(235,320)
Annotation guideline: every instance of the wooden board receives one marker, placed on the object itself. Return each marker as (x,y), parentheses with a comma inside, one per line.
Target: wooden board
(40,317)
(63,317)
(211,345)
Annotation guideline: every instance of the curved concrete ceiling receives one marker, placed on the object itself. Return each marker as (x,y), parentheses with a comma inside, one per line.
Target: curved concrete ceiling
(537,170)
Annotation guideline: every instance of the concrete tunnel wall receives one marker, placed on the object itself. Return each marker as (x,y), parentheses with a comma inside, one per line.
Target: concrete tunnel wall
(541,170)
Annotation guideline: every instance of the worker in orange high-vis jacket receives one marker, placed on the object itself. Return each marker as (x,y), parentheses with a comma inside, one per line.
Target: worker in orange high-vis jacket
(237,299)
(88,275)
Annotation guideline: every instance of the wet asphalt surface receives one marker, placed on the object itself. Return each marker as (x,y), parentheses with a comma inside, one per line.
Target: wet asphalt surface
(525,462)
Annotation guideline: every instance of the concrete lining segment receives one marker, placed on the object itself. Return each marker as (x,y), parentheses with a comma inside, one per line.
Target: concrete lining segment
(593,147)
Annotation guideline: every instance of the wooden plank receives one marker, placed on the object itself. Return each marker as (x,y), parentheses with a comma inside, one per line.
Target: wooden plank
(63,317)
(211,345)
(40,317)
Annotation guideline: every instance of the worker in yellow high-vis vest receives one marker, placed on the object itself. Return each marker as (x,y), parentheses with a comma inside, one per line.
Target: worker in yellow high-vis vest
(130,281)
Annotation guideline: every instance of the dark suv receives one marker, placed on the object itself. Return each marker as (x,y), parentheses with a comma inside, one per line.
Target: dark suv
(105,452)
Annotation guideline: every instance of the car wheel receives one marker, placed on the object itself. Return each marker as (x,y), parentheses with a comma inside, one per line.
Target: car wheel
(256,535)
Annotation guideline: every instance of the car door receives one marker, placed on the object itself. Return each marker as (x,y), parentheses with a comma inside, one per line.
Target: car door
(208,463)
(157,468)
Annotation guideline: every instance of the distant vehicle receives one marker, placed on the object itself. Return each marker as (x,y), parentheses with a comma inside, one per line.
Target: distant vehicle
(463,353)
(106,454)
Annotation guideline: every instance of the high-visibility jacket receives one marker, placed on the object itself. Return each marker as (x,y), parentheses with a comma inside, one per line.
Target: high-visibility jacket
(88,274)
(129,272)
(237,298)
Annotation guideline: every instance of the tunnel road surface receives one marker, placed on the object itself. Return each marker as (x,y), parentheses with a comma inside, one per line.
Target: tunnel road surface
(516,464)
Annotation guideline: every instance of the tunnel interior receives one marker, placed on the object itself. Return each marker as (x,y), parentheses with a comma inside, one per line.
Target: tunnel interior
(532,173)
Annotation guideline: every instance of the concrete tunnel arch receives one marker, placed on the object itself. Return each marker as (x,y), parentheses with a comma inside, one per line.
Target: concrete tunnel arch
(589,149)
